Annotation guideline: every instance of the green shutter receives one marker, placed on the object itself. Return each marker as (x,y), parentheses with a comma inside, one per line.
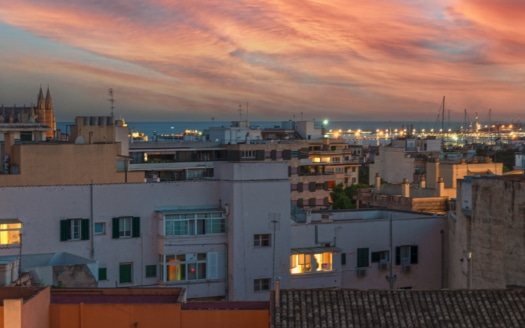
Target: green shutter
(413,254)
(125,273)
(375,257)
(362,258)
(102,274)
(151,271)
(115,228)
(398,255)
(343,258)
(84,229)
(135,228)
(64,231)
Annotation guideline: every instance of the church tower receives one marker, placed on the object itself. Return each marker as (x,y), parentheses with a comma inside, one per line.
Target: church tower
(49,115)
(41,108)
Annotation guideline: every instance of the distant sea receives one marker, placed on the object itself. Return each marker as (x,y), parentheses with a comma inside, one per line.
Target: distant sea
(165,127)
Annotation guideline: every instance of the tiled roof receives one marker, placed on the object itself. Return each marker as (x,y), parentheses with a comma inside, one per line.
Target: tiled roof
(398,308)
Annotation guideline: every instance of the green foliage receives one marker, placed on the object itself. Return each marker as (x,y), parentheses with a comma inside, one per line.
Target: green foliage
(364,174)
(343,198)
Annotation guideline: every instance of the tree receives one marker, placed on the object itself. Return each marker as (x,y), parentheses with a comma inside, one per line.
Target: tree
(344,198)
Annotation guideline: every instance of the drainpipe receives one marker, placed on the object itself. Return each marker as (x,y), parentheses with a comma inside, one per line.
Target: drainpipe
(442,258)
(91,224)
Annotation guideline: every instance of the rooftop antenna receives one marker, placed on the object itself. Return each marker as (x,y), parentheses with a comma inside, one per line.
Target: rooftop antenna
(246,111)
(240,112)
(111,100)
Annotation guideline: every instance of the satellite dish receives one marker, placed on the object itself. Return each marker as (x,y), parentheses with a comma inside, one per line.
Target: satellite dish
(80,140)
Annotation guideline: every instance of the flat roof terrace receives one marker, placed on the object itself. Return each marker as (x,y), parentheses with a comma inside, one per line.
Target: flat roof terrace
(118,296)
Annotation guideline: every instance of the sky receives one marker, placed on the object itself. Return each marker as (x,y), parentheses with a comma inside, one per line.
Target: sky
(266,60)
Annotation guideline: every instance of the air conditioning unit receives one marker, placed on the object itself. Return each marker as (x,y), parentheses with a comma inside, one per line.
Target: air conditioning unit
(361,272)
(383,266)
(405,268)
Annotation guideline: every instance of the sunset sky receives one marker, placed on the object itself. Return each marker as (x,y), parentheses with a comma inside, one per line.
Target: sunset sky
(337,59)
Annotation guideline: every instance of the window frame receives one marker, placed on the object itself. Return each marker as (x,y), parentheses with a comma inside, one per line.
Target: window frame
(262,284)
(407,255)
(8,231)
(134,229)
(67,229)
(194,224)
(262,240)
(103,224)
(307,263)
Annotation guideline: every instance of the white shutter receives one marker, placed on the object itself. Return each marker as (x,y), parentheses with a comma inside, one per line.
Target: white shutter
(221,265)
(212,265)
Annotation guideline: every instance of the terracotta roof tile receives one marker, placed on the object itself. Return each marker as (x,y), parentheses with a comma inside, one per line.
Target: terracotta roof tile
(321,308)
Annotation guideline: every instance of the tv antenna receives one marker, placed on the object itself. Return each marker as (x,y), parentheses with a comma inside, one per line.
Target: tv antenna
(111,100)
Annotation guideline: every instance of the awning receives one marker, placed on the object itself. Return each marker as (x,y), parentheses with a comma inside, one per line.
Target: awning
(187,210)
(315,250)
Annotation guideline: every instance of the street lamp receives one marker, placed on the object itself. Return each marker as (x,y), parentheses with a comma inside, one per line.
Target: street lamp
(323,128)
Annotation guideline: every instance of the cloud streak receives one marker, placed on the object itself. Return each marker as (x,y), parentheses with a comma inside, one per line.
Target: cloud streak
(347,60)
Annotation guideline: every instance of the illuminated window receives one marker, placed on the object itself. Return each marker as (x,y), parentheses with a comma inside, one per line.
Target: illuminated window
(304,263)
(10,233)
(194,266)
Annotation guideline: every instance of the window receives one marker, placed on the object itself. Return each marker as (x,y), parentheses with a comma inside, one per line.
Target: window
(336,159)
(151,271)
(406,255)
(74,229)
(381,256)
(125,273)
(262,240)
(362,258)
(261,284)
(102,274)
(100,228)
(186,266)
(10,231)
(303,263)
(189,224)
(343,258)
(126,227)
(247,153)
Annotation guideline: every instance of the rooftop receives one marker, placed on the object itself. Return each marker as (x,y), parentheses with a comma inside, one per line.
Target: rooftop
(398,308)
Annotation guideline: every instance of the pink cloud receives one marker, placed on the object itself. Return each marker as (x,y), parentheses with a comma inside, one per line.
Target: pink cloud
(377,57)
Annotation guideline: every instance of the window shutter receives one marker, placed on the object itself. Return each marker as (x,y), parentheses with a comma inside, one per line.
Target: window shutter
(413,254)
(64,231)
(221,265)
(115,228)
(375,257)
(325,185)
(312,186)
(398,255)
(287,154)
(300,187)
(135,229)
(362,257)
(125,273)
(343,258)
(212,265)
(102,274)
(289,171)
(84,229)
(259,155)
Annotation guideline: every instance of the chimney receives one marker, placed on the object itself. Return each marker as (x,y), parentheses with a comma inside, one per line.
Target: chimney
(440,187)
(423,182)
(378,182)
(405,188)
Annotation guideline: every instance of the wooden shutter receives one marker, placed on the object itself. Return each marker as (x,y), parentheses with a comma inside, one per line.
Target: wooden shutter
(64,230)
(102,274)
(259,155)
(273,154)
(398,255)
(84,229)
(375,257)
(343,258)
(312,187)
(362,257)
(287,154)
(114,228)
(300,187)
(135,227)
(413,254)
(125,273)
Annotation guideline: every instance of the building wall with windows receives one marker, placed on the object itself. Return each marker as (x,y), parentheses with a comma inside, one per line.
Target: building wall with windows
(353,249)
(196,234)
